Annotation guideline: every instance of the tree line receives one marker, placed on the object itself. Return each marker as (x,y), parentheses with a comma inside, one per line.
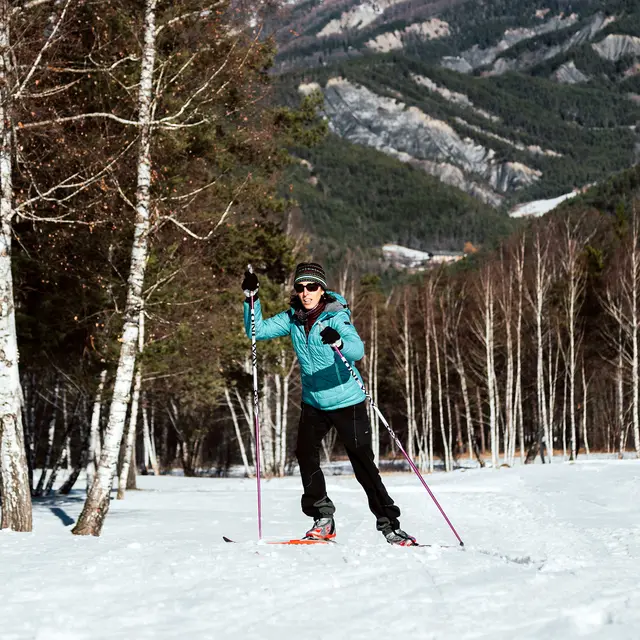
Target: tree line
(139,154)
(140,173)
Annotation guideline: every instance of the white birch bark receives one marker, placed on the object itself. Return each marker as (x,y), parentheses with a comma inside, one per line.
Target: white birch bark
(428,386)
(277,441)
(564,417)
(620,396)
(94,438)
(51,436)
(490,371)
(538,298)
(236,427)
(14,473)
(372,379)
(445,441)
(97,504)
(575,281)
(518,374)
(635,381)
(406,371)
(130,438)
(286,383)
(266,428)
(585,434)
(150,454)
(445,359)
(506,305)
(64,445)
(622,304)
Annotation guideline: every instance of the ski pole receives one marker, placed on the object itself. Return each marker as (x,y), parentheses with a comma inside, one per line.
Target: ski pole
(256,401)
(398,443)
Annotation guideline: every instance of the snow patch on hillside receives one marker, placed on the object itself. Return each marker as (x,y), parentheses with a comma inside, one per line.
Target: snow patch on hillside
(538,208)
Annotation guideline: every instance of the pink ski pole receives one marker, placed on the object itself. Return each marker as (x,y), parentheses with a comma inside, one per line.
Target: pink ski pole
(398,443)
(256,404)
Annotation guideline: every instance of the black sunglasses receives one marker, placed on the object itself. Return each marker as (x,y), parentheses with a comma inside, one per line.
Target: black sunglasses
(312,286)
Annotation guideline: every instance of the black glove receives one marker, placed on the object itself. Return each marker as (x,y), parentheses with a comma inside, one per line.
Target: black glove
(250,285)
(331,337)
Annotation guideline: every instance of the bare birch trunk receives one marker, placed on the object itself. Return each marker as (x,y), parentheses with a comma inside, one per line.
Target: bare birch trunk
(129,452)
(94,438)
(64,445)
(445,442)
(620,396)
(490,372)
(246,407)
(236,427)
(277,442)
(584,412)
(39,490)
(285,412)
(373,385)
(266,428)
(518,375)
(571,265)
(14,472)
(635,381)
(564,417)
(449,416)
(407,368)
(428,390)
(97,504)
(150,454)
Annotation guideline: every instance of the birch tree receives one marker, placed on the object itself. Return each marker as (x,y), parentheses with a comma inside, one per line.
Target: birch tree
(621,303)
(537,296)
(97,504)
(574,273)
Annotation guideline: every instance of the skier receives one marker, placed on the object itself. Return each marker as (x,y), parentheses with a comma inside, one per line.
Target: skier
(317,321)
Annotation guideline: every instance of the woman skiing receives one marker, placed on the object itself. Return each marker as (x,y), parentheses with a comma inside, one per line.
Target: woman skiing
(317,321)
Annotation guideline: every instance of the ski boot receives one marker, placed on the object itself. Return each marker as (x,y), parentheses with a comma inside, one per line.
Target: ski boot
(399,537)
(323,529)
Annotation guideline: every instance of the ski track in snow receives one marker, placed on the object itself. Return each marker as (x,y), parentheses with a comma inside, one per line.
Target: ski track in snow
(551,552)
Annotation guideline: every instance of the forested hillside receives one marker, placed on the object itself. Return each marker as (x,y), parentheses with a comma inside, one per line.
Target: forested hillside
(353,198)
(509,101)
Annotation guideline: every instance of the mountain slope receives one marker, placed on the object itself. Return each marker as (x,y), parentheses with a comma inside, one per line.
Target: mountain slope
(356,198)
(509,101)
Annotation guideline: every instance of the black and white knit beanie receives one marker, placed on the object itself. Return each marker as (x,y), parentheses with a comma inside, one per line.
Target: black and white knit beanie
(310,272)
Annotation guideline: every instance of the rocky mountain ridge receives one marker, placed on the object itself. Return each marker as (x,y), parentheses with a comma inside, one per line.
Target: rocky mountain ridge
(540,104)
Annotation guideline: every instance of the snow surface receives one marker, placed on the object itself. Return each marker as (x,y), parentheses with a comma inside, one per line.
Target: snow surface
(552,552)
(540,207)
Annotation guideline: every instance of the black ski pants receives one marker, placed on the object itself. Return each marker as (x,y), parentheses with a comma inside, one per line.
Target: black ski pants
(352,425)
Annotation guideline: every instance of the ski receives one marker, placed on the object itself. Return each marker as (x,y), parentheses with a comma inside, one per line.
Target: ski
(439,546)
(292,541)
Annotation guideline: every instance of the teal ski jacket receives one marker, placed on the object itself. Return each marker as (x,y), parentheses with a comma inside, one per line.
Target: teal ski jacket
(326,382)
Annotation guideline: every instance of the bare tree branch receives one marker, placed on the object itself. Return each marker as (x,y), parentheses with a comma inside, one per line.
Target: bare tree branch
(46,45)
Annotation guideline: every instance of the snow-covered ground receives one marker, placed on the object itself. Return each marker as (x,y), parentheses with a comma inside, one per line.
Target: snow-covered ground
(552,552)
(540,207)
